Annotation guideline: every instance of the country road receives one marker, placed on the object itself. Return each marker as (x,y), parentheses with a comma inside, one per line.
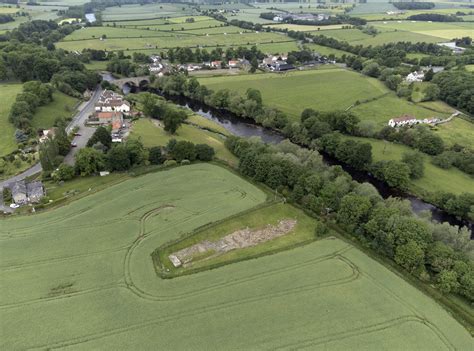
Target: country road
(84,110)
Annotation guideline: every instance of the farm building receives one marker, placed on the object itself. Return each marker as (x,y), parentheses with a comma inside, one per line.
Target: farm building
(405,120)
(415,77)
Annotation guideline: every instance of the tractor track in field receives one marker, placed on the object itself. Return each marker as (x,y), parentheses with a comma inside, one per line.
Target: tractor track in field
(376,327)
(197,311)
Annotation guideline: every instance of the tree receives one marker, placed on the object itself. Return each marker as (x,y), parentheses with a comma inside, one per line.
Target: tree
(89,161)
(431,92)
(253,65)
(102,135)
(183,150)
(63,173)
(428,75)
(118,158)
(447,281)
(61,138)
(155,156)
(414,161)
(392,81)
(410,256)
(48,155)
(136,152)
(372,69)
(255,95)
(204,152)
(354,209)
(173,119)
(430,143)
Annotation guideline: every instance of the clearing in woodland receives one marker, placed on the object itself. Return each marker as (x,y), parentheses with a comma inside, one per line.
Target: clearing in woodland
(81,276)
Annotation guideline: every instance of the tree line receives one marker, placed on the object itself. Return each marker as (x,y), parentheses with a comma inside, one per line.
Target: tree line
(5,18)
(437,253)
(415,5)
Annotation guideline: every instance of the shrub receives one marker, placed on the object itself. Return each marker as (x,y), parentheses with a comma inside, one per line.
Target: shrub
(170,163)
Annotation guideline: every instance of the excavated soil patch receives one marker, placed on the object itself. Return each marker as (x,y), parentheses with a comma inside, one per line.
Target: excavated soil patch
(236,240)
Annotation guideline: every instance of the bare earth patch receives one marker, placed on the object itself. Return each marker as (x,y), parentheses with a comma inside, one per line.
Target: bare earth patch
(236,240)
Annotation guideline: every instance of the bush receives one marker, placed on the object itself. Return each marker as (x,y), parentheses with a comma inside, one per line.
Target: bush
(185,162)
(204,152)
(170,163)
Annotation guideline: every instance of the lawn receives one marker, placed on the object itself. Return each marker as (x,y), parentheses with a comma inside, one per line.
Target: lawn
(97,65)
(151,134)
(62,106)
(323,89)
(8,94)
(435,178)
(81,277)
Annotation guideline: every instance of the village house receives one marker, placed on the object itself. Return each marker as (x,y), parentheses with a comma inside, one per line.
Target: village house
(405,120)
(233,64)
(415,77)
(111,101)
(24,193)
(215,64)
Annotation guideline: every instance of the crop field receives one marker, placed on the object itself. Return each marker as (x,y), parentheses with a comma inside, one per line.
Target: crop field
(435,178)
(163,40)
(81,277)
(149,11)
(151,133)
(8,94)
(304,28)
(323,89)
(8,10)
(62,106)
(357,37)
(435,29)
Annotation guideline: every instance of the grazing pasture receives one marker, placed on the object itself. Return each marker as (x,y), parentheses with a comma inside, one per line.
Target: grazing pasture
(62,106)
(444,30)
(151,133)
(304,28)
(166,40)
(148,11)
(8,94)
(435,178)
(81,276)
(323,89)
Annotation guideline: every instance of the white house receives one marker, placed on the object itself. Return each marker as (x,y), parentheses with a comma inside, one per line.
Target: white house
(110,101)
(402,121)
(415,77)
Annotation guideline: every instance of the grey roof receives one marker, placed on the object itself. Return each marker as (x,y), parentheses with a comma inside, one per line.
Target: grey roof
(35,190)
(18,188)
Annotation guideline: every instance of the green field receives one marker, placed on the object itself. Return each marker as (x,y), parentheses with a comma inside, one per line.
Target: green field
(81,277)
(458,131)
(304,232)
(162,40)
(8,94)
(150,11)
(62,106)
(435,178)
(323,89)
(151,133)
(444,30)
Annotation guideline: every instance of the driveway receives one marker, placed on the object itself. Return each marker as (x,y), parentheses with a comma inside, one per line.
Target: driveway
(84,110)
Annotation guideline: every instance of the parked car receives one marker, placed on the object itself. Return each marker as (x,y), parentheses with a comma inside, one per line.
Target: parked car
(14,206)
(73,144)
(77,134)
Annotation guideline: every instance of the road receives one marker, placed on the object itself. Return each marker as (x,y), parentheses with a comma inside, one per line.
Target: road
(84,110)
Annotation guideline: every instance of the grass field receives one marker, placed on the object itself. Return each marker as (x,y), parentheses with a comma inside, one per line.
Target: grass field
(164,40)
(457,131)
(8,94)
(81,277)
(151,134)
(445,30)
(303,232)
(323,89)
(435,178)
(150,11)
(62,106)
(304,28)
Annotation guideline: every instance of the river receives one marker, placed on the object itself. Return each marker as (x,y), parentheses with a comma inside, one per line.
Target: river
(248,128)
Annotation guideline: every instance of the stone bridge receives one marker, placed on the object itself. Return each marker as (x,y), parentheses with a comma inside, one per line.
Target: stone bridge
(132,81)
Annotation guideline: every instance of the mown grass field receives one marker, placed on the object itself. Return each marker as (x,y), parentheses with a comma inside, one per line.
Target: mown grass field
(163,40)
(324,89)
(304,28)
(62,106)
(445,30)
(457,131)
(151,133)
(8,94)
(81,277)
(435,178)
(149,11)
